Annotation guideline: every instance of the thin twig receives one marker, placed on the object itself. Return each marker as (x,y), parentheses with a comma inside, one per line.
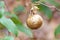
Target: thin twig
(6,5)
(38,3)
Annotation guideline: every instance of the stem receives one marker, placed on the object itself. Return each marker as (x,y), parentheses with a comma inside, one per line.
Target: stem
(38,3)
(6,5)
(8,11)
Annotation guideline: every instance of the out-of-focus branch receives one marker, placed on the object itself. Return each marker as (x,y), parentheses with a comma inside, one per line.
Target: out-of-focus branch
(6,5)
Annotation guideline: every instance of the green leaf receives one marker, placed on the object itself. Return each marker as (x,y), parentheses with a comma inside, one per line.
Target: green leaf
(53,2)
(7,13)
(7,38)
(8,23)
(46,10)
(0,15)
(2,5)
(57,30)
(2,26)
(1,8)
(21,27)
(2,11)
(19,8)
(34,1)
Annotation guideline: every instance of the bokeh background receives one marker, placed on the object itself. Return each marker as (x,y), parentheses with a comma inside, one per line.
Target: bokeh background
(48,27)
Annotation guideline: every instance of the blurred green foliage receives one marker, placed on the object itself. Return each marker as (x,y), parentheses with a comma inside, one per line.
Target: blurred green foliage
(13,24)
(21,27)
(7,38)
(2,5)
(57,31)
(46,10)
(53,2)
(0,15)
(18,9)
(34,1)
